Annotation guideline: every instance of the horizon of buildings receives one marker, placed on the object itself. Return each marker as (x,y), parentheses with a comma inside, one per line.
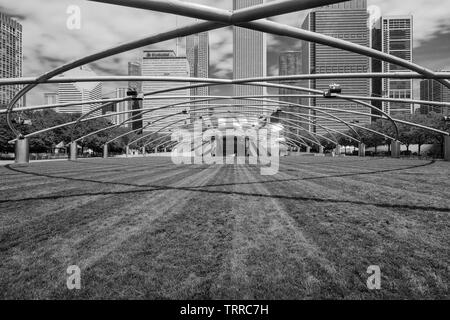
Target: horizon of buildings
(394,35)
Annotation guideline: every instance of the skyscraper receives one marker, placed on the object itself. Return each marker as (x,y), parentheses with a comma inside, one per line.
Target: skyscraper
(249,57)
(397,40)
(159,63)
(11,55)
(79,91)
(197,53)
(117,107)
(122,107)
(290,63)
(135,69)
(347,21)
(377,66)
(432,90)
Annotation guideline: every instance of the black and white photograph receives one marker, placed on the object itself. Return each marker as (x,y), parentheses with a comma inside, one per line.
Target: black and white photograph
(223,156)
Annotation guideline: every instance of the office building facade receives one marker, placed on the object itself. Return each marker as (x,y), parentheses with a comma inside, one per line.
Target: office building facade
(50,98)
(290,63)
(11,57)
(397,40)
(165,63)
(249,57)
(80,91)
(197,54)
(122,107)
(347,21)
(432,90)
(135,69)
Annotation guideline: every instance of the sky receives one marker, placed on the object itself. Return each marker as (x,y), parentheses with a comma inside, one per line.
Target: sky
(48,42)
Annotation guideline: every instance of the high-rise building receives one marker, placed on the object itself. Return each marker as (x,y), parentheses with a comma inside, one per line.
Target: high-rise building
(197,53)
(432,90)
(249,57)
(79,91)
(135,69)
(159,63)
(50,98)
(376,65)
(290,63)
(396,33)
(109,109)
(122,107)
(11,57)
(347,21)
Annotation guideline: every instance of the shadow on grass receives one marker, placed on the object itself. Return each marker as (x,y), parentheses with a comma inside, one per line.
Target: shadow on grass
(152,188)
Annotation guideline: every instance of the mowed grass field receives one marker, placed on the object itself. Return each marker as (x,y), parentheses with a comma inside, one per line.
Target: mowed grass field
(147,229)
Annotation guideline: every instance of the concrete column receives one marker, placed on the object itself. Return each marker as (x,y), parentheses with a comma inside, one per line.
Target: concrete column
(143,151)
(156,150)
(105,151)
(447,148)
(308,149)
(362,150)
(337,151)
(73,151)
(22,150)
(395,149)
(321,149)
(127,151)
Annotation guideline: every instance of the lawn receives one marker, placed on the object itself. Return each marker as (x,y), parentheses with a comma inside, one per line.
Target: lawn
(144,228)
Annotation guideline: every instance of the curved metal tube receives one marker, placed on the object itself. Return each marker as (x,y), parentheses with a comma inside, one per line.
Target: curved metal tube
(311,76)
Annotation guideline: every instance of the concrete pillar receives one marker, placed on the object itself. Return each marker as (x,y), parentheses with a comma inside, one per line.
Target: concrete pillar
(73,151)
(127,151)
(156,150)
(308,149)
(362,150)
(447,148)
(395,149)
(143,151)
(337,151)
(105,151)
(22,151)
(321,149)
